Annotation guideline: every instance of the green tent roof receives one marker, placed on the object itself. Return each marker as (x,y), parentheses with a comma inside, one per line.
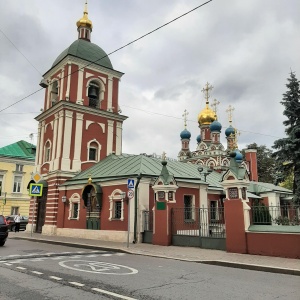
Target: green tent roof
(87,51)
(20,149)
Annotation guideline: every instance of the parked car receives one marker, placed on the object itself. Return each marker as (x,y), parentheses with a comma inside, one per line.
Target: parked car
(11,222)
(3,230)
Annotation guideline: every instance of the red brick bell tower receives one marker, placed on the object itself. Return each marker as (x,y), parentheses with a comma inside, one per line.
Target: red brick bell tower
(81,122)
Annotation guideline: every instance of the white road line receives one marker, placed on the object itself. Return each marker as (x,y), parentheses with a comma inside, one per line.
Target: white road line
(7,264)
(113,294)
(36,272)
(21,268)
(106,255)
(76,283)
(57,257)
(75,256)
(92,255)
(120,254)
(54,277)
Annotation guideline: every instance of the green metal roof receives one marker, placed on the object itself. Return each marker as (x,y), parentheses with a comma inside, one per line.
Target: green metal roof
(20,149)
(263,187)
(87,51)
(115,167)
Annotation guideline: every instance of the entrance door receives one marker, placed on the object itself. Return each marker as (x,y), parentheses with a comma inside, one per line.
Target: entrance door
(41,211)
(93,211)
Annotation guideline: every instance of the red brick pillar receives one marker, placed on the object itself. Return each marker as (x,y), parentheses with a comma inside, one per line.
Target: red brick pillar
(235,226)
(162,234)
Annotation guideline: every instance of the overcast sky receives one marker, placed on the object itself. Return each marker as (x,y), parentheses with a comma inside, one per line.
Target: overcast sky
(245,49)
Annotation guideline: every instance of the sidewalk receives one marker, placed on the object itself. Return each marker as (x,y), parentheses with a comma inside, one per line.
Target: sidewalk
(193,254)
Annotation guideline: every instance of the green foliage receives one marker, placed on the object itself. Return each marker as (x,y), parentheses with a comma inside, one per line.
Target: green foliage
(287,155)
(261,214)
(265,162)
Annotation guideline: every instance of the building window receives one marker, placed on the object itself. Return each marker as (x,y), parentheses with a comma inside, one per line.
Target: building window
(233,193)
(17,184)
(14,210)
(117,210)
(19,168)
(93,151)
(189,210)
(1,183)
(47,151)
(213,209)
(54,93)
(74,207)
(116,205)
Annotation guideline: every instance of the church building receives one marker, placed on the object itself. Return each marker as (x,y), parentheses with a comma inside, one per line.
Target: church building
(91,189)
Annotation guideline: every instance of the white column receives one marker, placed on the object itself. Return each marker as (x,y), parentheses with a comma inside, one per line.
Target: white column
(66,162)
(61,84)
(59,138)
(79,85)
(78,142)
(54,142)
(37,157)
(41,144)
(109,93)
(110,132)
(119,138)
(68,82)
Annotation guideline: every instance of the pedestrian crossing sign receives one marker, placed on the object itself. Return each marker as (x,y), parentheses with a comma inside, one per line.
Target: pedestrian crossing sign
(36,189)
(130,183)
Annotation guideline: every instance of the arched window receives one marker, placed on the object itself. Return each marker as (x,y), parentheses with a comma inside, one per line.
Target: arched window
(74,207)
(93,151)
(116,205)
(94,94)
(47,151)
(54,93)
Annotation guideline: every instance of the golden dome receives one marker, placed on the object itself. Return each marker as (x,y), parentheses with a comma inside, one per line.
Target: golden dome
(85,21)
(206,116)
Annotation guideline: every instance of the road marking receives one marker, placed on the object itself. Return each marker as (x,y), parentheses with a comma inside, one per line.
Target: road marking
(113,294)
(76,283)
(56,278)
(36,272)
(21,268)
(97,267)
(92,255)
(8,264)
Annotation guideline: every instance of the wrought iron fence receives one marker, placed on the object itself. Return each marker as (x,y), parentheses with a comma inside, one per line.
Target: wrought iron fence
(204,222)
(148,220)
(275,215)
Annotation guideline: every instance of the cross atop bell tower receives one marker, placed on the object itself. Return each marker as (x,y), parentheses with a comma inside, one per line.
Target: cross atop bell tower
(206,90)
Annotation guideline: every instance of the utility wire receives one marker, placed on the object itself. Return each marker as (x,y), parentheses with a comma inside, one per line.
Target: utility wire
(20,52)
(150,32)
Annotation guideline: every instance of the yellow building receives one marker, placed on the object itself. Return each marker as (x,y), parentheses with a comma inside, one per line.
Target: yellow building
(16,166)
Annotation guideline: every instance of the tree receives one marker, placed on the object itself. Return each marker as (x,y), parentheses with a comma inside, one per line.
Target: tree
(265,162)
(287,155)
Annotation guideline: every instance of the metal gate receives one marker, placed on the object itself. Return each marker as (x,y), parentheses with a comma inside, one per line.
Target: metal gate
(199,227)
(148,226)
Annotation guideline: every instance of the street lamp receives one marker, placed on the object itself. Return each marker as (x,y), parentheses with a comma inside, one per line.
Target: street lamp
(205,173)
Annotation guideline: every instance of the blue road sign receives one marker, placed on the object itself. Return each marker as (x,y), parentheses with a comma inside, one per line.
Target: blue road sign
(130,183)
(36,189)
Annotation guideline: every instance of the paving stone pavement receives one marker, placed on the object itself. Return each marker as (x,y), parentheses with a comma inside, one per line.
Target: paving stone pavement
(194,254)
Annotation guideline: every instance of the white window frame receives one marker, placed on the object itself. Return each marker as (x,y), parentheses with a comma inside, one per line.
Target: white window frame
(97,150)
(75,198)
(115,196)
(47,151)
(19,168)
(215,207)
(19,184)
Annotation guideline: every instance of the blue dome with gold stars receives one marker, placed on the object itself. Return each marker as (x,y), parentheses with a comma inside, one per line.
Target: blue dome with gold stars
(215,126)
(230,130)
(198,139)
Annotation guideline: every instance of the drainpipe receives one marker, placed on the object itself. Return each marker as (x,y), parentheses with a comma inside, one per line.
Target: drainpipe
(135,206)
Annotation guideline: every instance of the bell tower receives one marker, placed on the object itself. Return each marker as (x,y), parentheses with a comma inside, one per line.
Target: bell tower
(81,122)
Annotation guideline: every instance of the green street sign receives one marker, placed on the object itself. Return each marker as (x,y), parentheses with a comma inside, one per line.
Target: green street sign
(36,189)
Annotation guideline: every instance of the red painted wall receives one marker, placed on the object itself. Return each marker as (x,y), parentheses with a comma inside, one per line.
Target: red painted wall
(274,244)
(235,228)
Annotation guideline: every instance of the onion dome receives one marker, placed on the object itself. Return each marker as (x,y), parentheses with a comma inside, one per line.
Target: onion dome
(230,130)
(85,21)
(238,156)
(206,116)
(185,134)
(198,139)
(215,126)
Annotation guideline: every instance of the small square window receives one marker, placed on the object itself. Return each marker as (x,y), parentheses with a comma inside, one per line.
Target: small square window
(19,168)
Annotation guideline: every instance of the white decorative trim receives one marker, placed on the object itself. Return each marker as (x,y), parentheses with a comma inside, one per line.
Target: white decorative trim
(115,196)
(110,132)
(75,198)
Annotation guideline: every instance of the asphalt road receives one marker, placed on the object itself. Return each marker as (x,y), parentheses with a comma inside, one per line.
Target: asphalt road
(30,270)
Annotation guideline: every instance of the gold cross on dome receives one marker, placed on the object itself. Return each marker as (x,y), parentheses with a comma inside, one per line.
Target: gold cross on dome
(229,111)
(185,114)
(164,156)
(214,105)
(206,90)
